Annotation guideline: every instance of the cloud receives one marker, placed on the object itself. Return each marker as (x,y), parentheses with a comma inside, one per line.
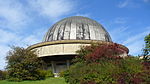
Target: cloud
(128,3)
(52,8)
(136,43)
(146,1)
(120,20)
(35,37)
(85,15)
(16,15)
(135,48)
(12,15)
(9,38)
(126,35)
(3,51)
(29,40)
(123,4)
(119,32)
(6,36)
(136,37)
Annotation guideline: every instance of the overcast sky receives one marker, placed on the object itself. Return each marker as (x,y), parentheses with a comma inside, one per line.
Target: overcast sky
(24,22)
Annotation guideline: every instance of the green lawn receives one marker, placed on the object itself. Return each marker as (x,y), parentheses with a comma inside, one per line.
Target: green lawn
(47,81)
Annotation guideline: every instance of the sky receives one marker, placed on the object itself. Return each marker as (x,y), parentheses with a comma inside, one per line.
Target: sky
(25,22)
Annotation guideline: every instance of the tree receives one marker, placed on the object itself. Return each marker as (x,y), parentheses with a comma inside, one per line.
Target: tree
(23,64)
(146,57)
(146,50)
(3,75)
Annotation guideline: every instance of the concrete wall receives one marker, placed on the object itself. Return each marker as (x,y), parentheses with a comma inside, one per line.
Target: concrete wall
(66,47)
(58,49)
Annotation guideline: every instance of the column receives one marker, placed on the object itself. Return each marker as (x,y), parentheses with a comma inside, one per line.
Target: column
(68,64)
(53,66)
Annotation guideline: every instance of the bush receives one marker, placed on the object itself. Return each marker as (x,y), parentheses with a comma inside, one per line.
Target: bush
(146,71)
(65,74)
(62,73)
(49,73)
(101,64)
(42,74)
(15,79)
(93,72)
(106,72)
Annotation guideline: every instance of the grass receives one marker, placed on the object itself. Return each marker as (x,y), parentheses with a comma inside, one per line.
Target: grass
(47,81)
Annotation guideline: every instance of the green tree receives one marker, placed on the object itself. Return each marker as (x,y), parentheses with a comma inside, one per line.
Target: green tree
(23,64)
(146,50)
(3,75)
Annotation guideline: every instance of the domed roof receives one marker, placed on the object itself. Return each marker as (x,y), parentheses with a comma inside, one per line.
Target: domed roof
(77,28)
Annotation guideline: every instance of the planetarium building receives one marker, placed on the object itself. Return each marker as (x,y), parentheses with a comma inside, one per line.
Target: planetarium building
(65,37)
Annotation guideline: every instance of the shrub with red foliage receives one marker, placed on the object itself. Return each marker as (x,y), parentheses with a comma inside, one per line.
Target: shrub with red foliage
(97,52)
(87,82)
(125,78)
(146,71)
(146,65)
(137,78)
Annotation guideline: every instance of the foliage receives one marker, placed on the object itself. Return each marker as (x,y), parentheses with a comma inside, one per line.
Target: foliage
(89,73)
(45,74)
(146,50)
(97,52)
(65,74)
(23,64)
(3,75)
(106,72)
(49,73)
(147,42)
(146,71)
(102,64)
